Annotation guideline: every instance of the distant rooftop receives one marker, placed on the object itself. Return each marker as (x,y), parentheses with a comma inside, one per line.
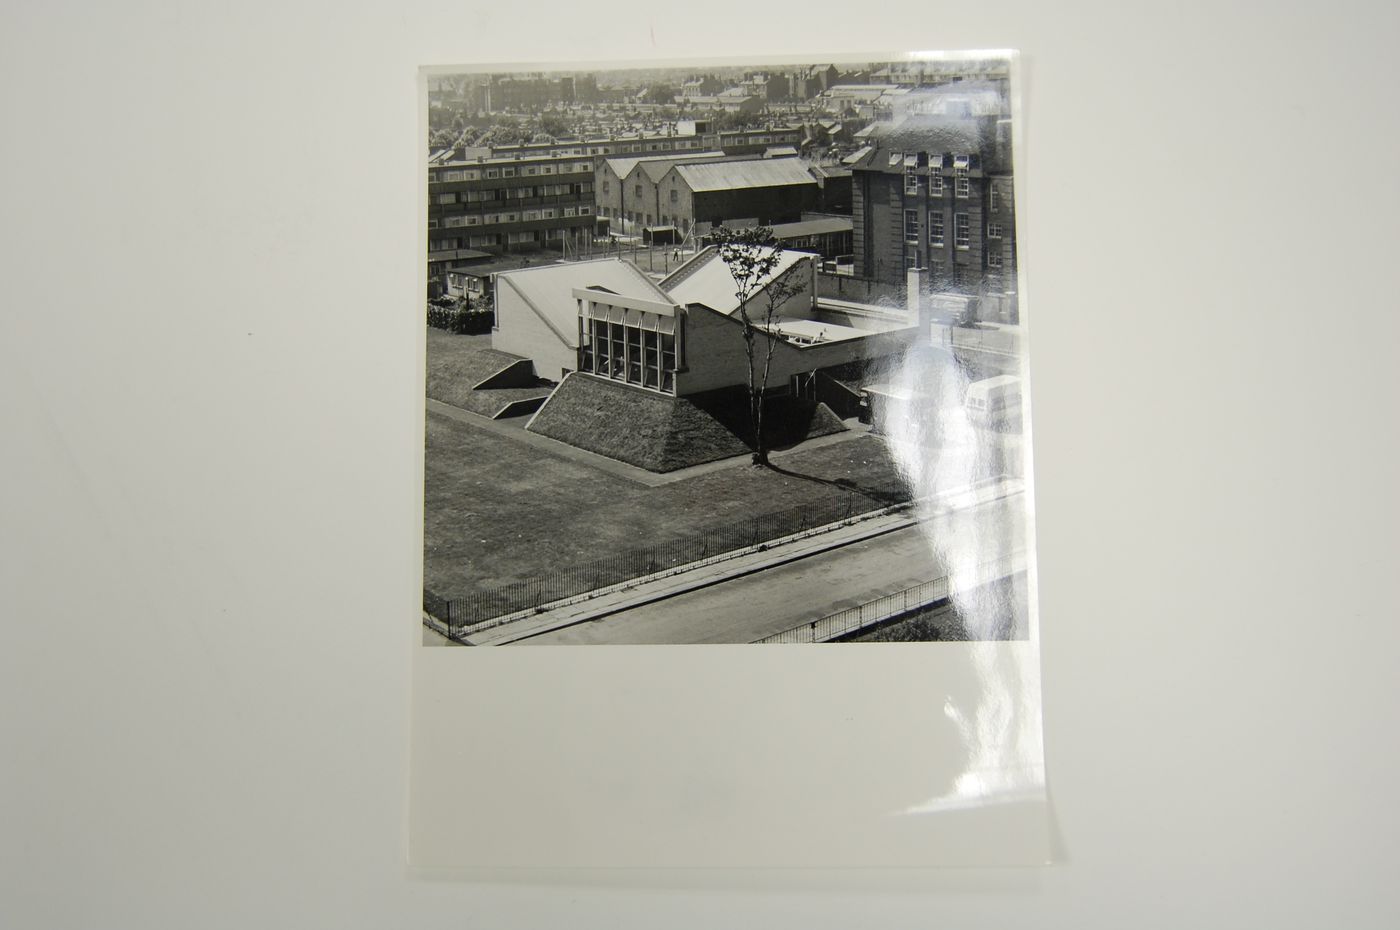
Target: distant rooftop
(933,134)
(735,175)
(813,227)
(465,256)
(486,269)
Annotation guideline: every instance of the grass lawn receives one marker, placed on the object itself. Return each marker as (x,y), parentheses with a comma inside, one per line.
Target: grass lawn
(456,362)
(661,433)
(499,511)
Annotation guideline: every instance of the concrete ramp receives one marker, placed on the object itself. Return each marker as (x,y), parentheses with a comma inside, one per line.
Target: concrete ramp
(519,408)
(518,374)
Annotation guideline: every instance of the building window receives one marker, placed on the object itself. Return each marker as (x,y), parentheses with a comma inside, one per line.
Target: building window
(493,173)
(532,170)
(995,198)
(961,235)
(634,355)
(607,186)
(446,198)
(668,363)
(473,221)
(584,210)
(935,182)
(452,175)
(432,224)
(638,190)
(911,181)
(616,351)
(531,215)
(994,231)
(911,226)
(911,261)
(651,360)
(507,172)
(963,186)
(935,227)
(458,220)
(993,259)
(675,196)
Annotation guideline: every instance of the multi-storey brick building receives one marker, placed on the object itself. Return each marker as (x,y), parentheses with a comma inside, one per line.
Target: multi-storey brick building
(807,82)
(936,193)
(758,140)
(527,92)
(507,205)
(678,139)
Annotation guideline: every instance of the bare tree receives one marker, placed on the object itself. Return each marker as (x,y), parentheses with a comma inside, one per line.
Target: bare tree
(753,258)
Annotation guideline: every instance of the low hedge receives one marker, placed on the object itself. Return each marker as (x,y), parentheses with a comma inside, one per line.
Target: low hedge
(460,321)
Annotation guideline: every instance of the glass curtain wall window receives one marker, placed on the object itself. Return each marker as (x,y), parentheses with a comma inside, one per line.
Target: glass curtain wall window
(629,353)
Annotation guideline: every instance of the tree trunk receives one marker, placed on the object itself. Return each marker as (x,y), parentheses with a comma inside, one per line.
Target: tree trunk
(755,398)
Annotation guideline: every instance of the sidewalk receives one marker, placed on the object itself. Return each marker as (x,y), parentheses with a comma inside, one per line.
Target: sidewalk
(726,567)
(749,561)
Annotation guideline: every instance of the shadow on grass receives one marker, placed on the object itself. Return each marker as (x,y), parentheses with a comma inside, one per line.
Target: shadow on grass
(883,496)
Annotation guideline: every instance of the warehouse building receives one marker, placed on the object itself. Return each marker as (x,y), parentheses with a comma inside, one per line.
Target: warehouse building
(700,196)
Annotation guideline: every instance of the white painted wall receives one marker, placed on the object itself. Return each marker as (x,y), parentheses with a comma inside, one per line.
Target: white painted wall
(521,329)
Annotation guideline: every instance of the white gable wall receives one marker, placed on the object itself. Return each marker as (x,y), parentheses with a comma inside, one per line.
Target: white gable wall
(521,329)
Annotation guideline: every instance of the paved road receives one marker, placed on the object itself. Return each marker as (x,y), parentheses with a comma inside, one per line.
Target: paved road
(748,608)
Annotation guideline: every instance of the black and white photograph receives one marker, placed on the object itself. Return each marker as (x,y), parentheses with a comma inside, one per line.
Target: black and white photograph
(729,352)
(982,343)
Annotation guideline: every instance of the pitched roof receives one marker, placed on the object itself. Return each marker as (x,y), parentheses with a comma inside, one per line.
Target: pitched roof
(622,167)
(813,227)
(547,284)
(934,134)
(655,169)
(734,175)
(706,279)
(486,269)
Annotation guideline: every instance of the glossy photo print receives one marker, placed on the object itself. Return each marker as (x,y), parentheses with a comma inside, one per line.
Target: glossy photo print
(726,353)
(726,376)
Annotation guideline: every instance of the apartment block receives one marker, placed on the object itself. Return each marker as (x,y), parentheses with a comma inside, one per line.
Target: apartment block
(502,205)
(936,193)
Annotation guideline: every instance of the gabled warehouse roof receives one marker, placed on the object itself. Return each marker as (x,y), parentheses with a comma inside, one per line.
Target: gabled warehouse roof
(622,167)
(738,175)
